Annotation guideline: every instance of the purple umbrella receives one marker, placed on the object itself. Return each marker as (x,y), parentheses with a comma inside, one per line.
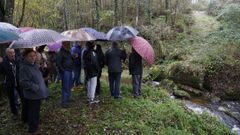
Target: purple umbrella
(54,47)
(98,35)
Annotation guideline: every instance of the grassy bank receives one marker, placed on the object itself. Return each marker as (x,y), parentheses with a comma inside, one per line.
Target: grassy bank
(153,113)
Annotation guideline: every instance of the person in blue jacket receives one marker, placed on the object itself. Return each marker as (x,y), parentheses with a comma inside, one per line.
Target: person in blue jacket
(65,66)
(76,54)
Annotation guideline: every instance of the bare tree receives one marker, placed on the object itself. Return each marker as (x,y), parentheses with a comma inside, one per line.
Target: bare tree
(65,15)
(23,11)
(137,11)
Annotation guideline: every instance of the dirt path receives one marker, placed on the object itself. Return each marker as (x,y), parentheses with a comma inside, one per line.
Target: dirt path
(203,23)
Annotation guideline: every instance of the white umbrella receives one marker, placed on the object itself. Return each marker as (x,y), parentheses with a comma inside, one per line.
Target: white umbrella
(38,37)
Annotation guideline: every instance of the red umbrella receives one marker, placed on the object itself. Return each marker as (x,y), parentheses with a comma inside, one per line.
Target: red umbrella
(143,48)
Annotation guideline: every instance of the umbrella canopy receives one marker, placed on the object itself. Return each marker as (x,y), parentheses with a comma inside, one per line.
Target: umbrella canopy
(7,36)
(9,27)
(143,48)
(78,35)
(54,47)
(121,33)
(25,29)
(98,35)
(38,37)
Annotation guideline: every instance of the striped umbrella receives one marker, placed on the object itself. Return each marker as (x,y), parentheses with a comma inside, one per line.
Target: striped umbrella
(98,35)
(9,27)
(7,36)
(121,33)
(78,35)
(38,37)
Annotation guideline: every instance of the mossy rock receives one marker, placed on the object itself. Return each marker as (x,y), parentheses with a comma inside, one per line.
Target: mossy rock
(181,94)
(186,74)
(168,84)
(158,73)
(223,80)
(192,91)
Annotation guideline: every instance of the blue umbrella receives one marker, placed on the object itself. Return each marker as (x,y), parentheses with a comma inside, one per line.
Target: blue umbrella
(6,36)
(98,35)
(121,33)
(9,27)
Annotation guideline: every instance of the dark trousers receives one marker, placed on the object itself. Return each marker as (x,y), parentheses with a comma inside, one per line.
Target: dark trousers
(12,99)
(114,83)
(66,86)
(98,88)
(136,82)
(33,113)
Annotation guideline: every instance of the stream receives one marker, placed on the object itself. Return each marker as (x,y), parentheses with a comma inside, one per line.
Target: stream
(221,110)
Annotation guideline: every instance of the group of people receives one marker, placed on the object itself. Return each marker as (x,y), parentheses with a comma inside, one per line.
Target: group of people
(28,73)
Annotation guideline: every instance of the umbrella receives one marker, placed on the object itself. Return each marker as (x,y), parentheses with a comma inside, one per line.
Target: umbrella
(9,27)
(38,37)
(121,33)
(25,29)
(7,36)
(98,35)
(78,35)
(54,47)
(143,48)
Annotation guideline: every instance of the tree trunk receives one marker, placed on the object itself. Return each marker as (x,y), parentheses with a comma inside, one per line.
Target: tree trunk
(2,10)
(137,11)
(148,11)
(23,12)
(115,12)
(65,15)
(9,11)
(97,14)
(123,13)
(166,9)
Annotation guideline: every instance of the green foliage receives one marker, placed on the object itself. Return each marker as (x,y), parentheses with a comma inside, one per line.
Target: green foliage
(230,15)
(153,113)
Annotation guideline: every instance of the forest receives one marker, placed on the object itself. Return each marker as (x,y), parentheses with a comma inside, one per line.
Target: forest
(192,88)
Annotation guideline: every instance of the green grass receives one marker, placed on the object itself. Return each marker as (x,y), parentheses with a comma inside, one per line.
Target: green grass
(153,113)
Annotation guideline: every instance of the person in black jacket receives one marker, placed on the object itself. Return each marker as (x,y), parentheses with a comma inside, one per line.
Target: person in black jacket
(136,70)
(65,66)
(9,69)
(113,58)
(100,58)
(92,69)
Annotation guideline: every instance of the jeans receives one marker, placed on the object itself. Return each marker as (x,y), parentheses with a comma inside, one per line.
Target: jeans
(66,86)
(91,87)
(136,82)
(76,75)
(114,83)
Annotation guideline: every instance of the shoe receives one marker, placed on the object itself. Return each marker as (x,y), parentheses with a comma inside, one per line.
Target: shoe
(96,101)
(118,97)
(65,105)
(91,101)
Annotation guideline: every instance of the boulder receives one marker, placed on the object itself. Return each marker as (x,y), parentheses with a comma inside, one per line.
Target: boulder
(181,94)
(192,91)
(186,74)
(223,79)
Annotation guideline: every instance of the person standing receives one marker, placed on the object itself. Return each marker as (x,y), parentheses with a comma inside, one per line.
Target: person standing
(92,69)
(34,88)
(9,70)
(113,58)
(136,70)
(65,66)
(100,58)
(76,54)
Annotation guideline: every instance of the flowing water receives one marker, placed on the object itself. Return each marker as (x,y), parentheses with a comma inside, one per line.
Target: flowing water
(218,109)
